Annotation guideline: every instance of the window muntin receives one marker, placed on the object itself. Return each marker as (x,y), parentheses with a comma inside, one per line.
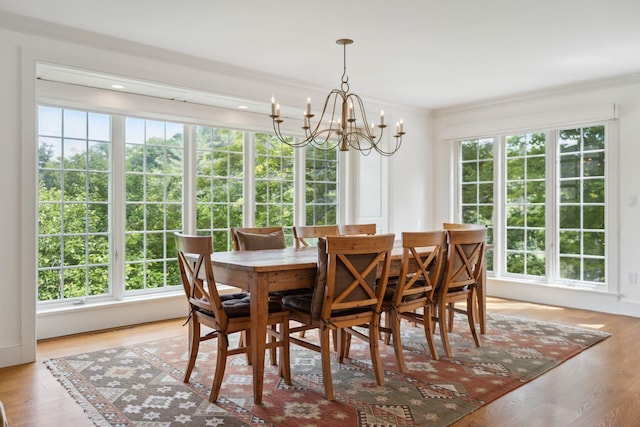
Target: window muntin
(74,198)
(154,152)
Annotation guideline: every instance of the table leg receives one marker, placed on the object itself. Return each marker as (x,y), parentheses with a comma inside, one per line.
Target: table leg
(259,313)
(482,301)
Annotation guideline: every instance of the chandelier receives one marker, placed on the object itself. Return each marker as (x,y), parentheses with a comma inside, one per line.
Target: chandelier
(344,119)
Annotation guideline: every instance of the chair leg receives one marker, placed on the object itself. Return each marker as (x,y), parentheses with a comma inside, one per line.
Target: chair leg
(285,361)
(374,331)
(428,331)
(243,341)
(387,322)
(444,331)
(471,317)
(451,312)
(344,344)
(395,320)
(221,364)
(194,346)
(326,362)
(272,350)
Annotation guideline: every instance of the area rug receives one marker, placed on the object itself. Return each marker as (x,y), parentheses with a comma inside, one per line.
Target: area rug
(141,385)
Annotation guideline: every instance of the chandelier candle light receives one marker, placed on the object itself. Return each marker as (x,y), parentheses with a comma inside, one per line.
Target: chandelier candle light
(350,130)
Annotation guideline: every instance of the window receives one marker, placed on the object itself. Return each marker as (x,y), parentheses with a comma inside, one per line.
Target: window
(219,183)
(274,184)
(172,177)
(154,155)
(525,204)
(581,201)
(321,186)
(551,219)
(74,238)
(476,188)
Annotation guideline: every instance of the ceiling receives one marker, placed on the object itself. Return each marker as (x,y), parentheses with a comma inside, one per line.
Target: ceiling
(423,53)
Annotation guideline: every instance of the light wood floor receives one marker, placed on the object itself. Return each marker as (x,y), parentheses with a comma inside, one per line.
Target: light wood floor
(599,387)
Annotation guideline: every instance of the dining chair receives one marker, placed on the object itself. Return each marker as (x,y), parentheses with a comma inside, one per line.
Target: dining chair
(464,266)
(303,232)
(345,295)
(357,229)
(412,297)
(480,304)
(257,238)
(223,314)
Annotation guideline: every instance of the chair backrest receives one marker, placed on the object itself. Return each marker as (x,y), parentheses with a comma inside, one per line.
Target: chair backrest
(356,229)
(257,238)
(352,274)
(303,232)
(423,255)
(461,226)
(194,259)
(465,258)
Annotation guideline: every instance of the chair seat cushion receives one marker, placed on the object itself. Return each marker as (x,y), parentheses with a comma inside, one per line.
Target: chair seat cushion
(282,294)
(391,289)
(303,303)
(239,305)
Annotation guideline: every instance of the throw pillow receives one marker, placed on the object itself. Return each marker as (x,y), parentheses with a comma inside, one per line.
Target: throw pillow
(258,242)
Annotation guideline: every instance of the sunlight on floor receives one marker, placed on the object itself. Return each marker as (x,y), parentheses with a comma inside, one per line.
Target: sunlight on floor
(498,304)
(591,326)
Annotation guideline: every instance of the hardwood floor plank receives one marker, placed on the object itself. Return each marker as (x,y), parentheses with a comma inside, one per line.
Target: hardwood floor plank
(599,387)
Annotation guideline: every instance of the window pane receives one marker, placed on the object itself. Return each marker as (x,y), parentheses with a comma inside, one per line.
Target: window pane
(593,138)
(593,190)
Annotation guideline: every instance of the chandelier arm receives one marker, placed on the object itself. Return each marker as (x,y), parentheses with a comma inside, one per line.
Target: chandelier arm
(281,138)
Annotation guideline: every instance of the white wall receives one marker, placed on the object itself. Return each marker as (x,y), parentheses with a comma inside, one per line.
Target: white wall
(580,104)
(22,45)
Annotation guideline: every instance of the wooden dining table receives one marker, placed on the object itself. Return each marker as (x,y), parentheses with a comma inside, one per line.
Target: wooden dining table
(264,271)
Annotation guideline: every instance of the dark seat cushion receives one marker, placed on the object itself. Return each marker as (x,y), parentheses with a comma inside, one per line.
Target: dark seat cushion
(239,305)
(282,294)
(304,303)
(391,289)
(258,242)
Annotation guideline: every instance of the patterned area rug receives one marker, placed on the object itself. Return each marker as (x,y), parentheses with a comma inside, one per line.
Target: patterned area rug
(142,384)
